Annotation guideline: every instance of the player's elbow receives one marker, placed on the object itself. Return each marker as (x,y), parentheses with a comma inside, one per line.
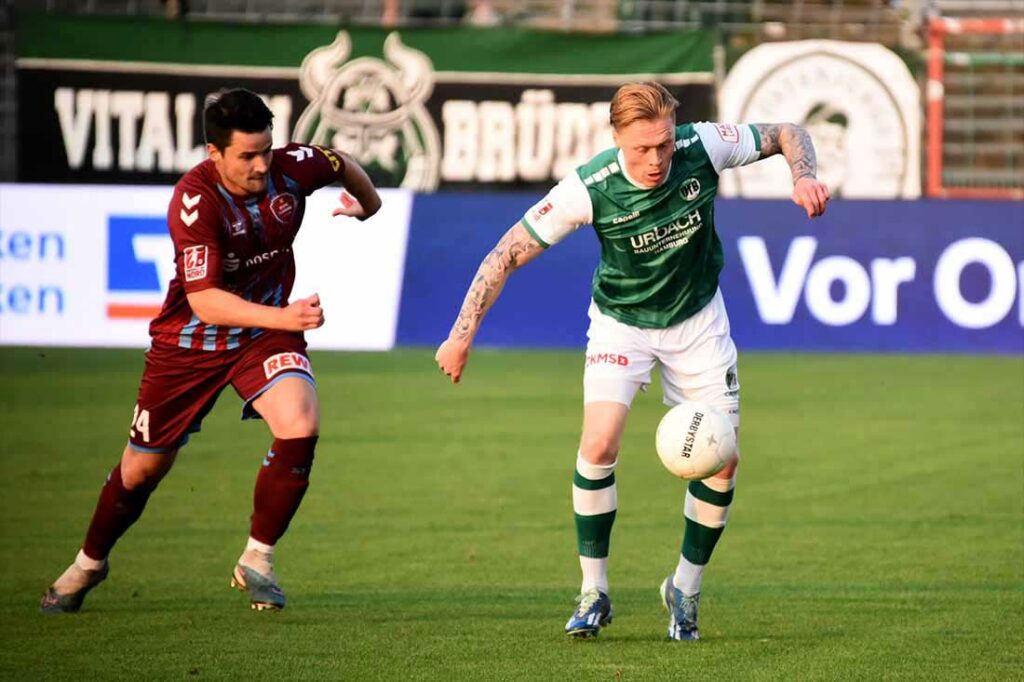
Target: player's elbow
(373,204)
(789,131)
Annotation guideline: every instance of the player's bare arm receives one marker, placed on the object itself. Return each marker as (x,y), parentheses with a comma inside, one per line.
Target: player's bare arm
(515,249)
(795,145)
(220,307)
(359,199)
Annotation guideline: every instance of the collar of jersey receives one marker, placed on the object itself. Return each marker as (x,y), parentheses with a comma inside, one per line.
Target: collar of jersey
(625,173)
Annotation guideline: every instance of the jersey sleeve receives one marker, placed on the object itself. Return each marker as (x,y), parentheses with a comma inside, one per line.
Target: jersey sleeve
(729,145)
(193,220)
(310,166)
(564,209)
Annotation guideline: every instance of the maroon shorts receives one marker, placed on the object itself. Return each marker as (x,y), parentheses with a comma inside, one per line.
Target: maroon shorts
(179,386)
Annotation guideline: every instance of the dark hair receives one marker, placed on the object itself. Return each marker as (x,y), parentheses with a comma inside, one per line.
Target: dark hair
(231,110)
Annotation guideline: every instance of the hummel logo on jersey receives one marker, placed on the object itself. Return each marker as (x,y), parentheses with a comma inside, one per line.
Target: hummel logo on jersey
(268,458)
(189,217)
(301,154)
(683,143)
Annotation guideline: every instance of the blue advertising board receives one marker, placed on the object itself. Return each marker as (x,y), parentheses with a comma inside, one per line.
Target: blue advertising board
(922,276)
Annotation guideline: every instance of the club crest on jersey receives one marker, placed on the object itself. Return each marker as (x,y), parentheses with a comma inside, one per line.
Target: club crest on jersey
(286,362)
(283,207)
(690,189)
(195,262)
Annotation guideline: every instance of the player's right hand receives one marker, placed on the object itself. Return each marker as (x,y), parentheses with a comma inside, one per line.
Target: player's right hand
(303,314)
(451,357)
(811,195)
(349,206)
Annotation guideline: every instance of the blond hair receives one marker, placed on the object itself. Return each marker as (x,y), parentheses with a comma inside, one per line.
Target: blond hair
(645,101)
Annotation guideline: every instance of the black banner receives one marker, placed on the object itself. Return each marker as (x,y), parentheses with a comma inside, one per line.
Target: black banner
(424,131)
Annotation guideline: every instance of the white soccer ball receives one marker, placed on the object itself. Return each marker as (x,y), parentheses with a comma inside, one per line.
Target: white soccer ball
(695,440)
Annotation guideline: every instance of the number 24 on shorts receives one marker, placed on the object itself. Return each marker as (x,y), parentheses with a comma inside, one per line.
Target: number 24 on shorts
(140,422)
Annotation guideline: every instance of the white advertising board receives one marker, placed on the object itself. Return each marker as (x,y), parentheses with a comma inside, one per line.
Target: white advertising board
(89,265)
(858,101)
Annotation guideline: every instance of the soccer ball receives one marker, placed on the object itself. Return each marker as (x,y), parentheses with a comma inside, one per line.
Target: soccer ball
(695,440)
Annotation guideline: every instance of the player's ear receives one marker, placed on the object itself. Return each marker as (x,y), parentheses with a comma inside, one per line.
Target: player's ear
(213,152)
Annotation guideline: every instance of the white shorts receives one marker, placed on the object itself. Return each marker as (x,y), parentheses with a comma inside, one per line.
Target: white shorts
(697,359)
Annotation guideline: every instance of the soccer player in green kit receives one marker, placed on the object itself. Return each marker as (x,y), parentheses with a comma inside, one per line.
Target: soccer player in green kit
(655,301)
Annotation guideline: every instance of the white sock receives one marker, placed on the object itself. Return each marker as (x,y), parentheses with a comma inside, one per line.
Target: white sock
(87,563)
(595,573)
(589,503)
(688,577)
(260,547)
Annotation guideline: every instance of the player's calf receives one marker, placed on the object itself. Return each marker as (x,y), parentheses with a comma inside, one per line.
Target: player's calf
(280,487)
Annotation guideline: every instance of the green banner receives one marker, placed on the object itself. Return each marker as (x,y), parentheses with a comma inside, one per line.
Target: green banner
(120,100)
(450,49)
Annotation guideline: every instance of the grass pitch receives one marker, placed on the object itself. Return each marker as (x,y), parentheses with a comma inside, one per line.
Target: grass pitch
(877,532)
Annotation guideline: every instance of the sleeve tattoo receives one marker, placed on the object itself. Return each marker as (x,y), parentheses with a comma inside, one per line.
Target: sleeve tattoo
(507,255)
(793,143)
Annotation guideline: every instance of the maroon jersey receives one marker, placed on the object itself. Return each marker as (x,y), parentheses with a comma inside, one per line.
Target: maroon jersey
(242,244)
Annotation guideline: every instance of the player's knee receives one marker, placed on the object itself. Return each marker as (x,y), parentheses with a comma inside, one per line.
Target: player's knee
(599,449)
(145,470)
(303,423)
(730,469)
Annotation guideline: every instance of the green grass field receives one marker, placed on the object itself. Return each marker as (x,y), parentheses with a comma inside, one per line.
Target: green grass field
(878,528)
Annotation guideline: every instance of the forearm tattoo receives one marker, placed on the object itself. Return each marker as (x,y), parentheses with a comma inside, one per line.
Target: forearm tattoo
(509,253)
(793,143)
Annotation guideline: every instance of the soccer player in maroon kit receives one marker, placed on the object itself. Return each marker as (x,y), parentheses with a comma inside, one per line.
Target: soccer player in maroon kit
(227,320)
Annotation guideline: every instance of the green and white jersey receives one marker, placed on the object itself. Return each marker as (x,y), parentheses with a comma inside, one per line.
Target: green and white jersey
(660,255)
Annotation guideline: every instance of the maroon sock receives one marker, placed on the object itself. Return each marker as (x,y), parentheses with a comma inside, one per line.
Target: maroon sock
(280,485)
(116,510)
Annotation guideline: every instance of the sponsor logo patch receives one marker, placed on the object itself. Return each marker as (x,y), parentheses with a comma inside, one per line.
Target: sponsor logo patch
(541,211)
(286,362)
(283,207)
(728,132)
(607,359)
(195,262)
(331,156)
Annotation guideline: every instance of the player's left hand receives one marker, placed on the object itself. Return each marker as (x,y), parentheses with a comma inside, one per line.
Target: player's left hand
(811,195)
(350,207)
